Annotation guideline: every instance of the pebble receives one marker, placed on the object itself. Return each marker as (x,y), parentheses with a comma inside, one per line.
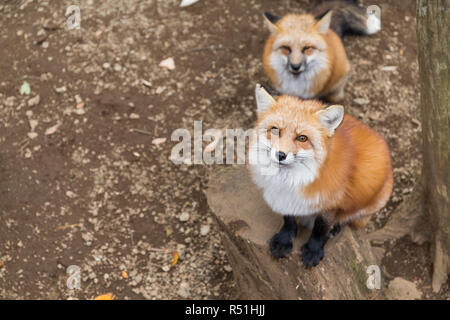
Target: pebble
(147,83)
(165,268)
(79,112)
(168,63)
(361,101)
(32,135)
(184,217)
(183,291)
(34,101)
(158,141)
(138,279)
(33,124)
(78,99)
(228,268)
(10,101)
(61,89)
(160,90)
(204,230)
(70,194)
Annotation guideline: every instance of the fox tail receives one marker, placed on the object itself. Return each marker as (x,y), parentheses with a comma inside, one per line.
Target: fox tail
(348,17)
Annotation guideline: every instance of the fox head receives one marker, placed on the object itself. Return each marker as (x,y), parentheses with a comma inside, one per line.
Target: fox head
(291,135)
(297,43)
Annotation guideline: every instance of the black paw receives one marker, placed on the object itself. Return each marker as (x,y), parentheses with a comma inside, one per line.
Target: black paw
(281,244)
(311,258)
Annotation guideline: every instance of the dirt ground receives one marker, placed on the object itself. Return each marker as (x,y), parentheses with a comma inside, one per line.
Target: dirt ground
(103,196)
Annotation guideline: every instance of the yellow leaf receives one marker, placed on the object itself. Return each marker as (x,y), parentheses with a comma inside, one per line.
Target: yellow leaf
(1,263)
(106,296)
(169,231)
(124,274)
(175,258)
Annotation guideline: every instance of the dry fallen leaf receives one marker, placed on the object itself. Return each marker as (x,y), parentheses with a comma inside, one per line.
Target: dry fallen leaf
(1,263)
(185,3)
(52,129)
(124,274)
(106,296)
(146,83)
(168,230)
(80,105)
(175,258)
(168,63)
(159,141)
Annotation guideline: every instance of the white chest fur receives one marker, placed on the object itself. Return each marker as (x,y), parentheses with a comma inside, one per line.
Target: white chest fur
(283,194)
(286,202)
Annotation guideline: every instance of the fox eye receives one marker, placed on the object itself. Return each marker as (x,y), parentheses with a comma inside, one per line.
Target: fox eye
(302,138)
(275,131)
(308,50)
(286,49)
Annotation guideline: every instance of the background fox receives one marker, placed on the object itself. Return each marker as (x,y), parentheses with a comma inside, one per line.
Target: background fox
(304,55)
(317,163)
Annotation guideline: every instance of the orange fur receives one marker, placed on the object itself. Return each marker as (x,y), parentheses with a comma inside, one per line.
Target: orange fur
(301,29)
(355,177)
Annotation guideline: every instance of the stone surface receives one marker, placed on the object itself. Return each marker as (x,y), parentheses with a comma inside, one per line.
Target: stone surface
(401,289)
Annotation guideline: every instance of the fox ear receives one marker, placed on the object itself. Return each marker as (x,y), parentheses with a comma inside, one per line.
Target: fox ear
(331,117)
(263,99)
(323,24)
(271,21)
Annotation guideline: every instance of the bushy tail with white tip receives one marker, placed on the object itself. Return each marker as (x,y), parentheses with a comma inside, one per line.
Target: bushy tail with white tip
(349,17)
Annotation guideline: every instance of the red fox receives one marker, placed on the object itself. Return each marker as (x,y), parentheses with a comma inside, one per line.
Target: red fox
(305,57)
(317,163)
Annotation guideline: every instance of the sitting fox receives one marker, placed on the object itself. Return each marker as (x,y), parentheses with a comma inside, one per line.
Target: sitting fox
(304,55)
(318,164)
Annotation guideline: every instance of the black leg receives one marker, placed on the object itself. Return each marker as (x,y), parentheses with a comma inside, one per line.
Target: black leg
(312,251)
(281,243)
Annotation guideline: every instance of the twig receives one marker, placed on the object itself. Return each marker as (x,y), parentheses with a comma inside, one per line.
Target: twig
(141,131)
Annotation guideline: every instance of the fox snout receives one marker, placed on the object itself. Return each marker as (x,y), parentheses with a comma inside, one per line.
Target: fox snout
(282,157)
(296,65)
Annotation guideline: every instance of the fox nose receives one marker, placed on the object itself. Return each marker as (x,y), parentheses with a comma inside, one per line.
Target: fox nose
(296,67)
(281,156)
